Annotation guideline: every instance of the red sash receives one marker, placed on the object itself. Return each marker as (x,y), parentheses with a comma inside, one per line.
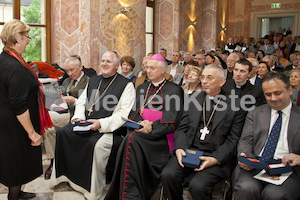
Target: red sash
(45,121)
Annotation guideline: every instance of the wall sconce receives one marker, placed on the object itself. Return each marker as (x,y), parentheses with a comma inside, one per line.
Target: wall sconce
(125,10)
(223,29)
(193,23)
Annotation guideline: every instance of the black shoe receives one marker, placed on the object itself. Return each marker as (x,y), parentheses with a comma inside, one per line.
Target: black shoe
(26,195)
(48,172)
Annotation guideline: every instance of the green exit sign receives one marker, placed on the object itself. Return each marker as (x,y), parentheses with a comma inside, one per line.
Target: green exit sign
(275,5)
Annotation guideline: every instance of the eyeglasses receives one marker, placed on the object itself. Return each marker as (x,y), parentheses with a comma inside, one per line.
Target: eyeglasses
(28,37)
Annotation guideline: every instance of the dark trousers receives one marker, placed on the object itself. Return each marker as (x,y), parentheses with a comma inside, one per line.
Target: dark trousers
(200,185)
(250,188)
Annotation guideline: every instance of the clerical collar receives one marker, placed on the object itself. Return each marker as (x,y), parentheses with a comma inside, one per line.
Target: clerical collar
(210,97)
(158,83)
(241,87)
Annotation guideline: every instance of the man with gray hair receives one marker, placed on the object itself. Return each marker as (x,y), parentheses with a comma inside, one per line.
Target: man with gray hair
(231,60)
(145,151)
(82,158)
(253,78)
(212,124)
(187,57)
(61,112)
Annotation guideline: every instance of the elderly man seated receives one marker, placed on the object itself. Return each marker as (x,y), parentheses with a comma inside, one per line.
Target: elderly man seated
(77,81)
(81,159)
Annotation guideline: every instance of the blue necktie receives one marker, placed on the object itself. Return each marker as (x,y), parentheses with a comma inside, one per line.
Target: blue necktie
(270,147)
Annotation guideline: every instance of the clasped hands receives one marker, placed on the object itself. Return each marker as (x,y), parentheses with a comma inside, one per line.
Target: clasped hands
(207,161)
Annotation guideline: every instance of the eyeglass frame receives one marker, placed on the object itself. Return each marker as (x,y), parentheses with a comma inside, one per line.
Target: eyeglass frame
(28,37)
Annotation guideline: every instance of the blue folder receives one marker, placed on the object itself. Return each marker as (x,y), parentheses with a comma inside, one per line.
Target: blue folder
(192,159)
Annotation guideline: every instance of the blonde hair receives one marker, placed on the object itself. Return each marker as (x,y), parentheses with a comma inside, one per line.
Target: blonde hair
(198,70)
(11,29)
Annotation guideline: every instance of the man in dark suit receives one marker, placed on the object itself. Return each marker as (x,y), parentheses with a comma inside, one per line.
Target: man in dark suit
(259,131)
(242,86)
(77,81)
(215,131)
(253,77)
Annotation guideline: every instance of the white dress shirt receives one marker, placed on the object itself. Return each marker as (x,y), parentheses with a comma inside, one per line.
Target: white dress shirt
(282,148)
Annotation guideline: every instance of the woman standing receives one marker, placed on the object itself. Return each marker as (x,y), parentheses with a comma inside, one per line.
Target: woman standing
(22,108)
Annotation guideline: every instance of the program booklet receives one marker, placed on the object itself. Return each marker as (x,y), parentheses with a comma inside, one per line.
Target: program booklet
(274,179)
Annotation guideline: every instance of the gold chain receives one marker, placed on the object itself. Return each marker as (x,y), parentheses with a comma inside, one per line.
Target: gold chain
(211,115)
(144,105)
(101,95)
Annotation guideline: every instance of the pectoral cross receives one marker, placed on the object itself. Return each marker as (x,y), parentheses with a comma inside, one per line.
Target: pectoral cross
(204,131)
(90,111)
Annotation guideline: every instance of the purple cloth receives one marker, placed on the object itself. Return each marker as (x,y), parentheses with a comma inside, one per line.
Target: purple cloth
(154,115)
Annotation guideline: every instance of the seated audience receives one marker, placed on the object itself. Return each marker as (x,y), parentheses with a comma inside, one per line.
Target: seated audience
(251,55)
(267,48)
(296,46)
(127,65)
(247,46)
(163,52)
(143,67)
(237,44)
(194,81)
(231,60)
(294,62)
(183,78)
(284,49)
(210,59)
(81,159)
(281,60)
(145,151)
(262,69)
(187,57)
(260,55)
(230,46)
(240,84)
(253,76)
(201,59)
(175,69)
(144,78)
(271,61)
(259,135)
(295,83)
(77,81)
(214,131)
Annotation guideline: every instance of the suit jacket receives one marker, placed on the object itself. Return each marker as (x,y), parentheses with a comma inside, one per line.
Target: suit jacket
(256,129)
(226,127)
(179,69)
(258,82)
(248,88)
(228,75)
(268,50)
(75,92)
(140,80)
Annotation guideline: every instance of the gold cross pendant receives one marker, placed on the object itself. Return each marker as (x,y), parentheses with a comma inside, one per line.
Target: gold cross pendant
(90,111)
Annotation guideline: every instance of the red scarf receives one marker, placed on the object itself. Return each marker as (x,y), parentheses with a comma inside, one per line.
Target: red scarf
(45,121)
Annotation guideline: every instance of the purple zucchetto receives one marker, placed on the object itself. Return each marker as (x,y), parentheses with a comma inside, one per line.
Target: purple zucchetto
(157,57)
